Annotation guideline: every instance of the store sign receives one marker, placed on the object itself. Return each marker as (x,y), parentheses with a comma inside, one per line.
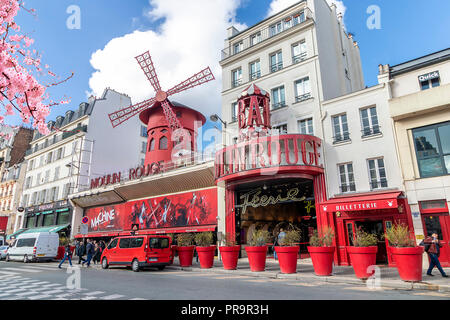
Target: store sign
(429,76)
(191,209)
(255,199)
(361,205)
(49,206)
(269,152)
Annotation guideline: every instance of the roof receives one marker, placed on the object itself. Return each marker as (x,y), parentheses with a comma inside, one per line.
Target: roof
(46,229)
(252,90)
(421,62)
(144,115)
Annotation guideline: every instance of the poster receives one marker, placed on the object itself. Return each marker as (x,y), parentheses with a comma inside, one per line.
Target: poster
(178,210)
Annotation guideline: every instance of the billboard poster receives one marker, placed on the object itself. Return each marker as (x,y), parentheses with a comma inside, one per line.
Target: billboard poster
(187,209)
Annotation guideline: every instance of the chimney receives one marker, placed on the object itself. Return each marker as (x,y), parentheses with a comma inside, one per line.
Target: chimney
(231,31)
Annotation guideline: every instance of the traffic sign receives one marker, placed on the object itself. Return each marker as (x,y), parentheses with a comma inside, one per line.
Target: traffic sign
(85,220)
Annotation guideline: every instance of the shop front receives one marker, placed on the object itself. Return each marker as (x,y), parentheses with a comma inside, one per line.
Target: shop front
(372,213)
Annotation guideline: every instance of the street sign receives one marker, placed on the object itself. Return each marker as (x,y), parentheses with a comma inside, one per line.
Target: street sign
(85,220)
(84,229)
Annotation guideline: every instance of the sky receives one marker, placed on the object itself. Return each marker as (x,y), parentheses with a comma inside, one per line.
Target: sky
(185,36)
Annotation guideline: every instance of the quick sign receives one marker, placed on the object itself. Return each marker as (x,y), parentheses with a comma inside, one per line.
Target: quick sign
(429,76)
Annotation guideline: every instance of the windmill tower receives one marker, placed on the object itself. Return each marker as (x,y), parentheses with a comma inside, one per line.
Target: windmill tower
(170,126)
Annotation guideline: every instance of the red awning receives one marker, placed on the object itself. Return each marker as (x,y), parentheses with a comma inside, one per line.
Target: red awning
(386,200)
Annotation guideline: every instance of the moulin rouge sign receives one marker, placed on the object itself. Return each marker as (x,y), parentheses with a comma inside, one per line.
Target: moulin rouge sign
(133,174)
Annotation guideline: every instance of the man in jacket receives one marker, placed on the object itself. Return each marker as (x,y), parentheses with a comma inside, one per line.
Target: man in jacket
(90,252)
(433,248)
(67,255)
(80,251)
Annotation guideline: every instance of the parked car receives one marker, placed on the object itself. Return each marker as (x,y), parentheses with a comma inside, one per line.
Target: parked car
(34,247)
(138,252)
(3,251)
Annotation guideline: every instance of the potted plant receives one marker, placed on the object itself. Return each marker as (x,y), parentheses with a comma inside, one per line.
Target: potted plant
(257,250)
(321,250)
(185,248)
(287,251)
(230,252)
(363,253)
(407,256)
(205,249)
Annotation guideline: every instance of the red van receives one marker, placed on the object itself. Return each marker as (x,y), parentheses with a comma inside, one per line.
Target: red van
(138,252)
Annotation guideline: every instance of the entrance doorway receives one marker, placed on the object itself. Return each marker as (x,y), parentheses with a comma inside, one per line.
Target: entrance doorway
(439,223)
(377,227)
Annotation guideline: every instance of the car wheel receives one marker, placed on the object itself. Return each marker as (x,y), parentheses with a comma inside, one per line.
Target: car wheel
(105,263)
(161,267)
(25,259)
(135,265)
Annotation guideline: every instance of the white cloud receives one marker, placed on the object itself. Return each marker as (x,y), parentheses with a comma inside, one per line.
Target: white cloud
(190,37)
(279,5)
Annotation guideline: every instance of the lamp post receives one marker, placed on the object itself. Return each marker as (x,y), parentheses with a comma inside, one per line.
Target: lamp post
(215,118)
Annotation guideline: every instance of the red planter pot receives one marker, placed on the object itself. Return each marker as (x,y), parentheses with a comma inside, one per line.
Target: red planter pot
(408,262)
(257,258)
(230,256)
(361,258)
(173,249)
(185,254)
(206,256)
(287,257)
(322,259)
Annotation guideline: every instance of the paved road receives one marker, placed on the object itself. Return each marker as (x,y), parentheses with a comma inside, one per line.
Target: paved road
(44,281)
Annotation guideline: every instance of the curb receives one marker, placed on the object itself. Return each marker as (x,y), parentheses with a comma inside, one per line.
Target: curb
(388,284)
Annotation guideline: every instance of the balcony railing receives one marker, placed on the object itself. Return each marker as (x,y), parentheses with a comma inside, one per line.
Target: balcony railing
(236,83)
(347,187)
(303,97)
(265,35)
(299,58)
(341,137)
(370,131)
(278,105)
(255,75)
(276,67)
(378,184)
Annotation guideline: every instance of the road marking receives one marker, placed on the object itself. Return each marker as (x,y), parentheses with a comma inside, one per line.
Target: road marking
(43,268)
(137,299)
(112,296)
(302,284)
(94,293)
(15,290)
(434,294)
(22,270)
(43,296)
(9,273)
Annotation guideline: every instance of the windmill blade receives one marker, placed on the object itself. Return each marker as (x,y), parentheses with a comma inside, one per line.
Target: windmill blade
(146,64)
(197,79)
(171,118)
(124,114)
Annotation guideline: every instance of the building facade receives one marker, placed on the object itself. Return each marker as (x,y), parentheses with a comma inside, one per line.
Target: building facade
(419,107)
(78,148)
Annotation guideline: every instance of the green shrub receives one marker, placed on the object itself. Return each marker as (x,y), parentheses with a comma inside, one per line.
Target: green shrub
(230,240)
(204,239)
(292,238)
(398,236)
(322,240)
(364,239)
(260,238)
(185,239)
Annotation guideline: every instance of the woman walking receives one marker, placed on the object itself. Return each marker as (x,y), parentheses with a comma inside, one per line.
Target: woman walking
(67,255)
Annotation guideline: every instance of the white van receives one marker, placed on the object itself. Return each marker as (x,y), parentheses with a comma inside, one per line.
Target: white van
(2,241)
(34,247)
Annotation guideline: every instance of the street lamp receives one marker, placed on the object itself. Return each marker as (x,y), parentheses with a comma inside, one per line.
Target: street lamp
(215,118)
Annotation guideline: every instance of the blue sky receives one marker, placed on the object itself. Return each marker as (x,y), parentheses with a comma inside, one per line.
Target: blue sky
(409,29)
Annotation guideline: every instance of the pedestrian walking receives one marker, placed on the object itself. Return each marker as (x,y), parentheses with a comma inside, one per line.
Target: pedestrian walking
(67,255)
(433,248)
(80,251)
(278,241)
(97,253)
(89,252)
(102,245)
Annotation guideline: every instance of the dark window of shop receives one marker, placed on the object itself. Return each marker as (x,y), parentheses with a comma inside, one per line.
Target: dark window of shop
(163,143)
(136,242)
(124,243)
(31,222)
(49,220)
(432,145)
(113,244)
(64,217)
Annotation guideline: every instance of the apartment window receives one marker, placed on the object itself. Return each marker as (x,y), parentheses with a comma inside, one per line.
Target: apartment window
(144,147)
(282,129)
(255,38)
(58,154)
(49,157)
(31,164)
(278,98)
(302,90)
(430,80)
(276,61)
(28,182)
(234,111)
(255,70)
(56,176)
(369,121)
(42,196)
(306,126)
(276,28)
(238,47)
(47,176)
(299,18)
(347,180)
(34,198)
(66,190)
(38,179)
(340,128)
(298,52)
(25,200)
(432,144)
(144,132)
(41,161)
(236,78)
(377,174)
(163,143)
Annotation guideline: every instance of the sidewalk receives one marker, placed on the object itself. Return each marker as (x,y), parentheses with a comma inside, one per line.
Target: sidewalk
(341,274)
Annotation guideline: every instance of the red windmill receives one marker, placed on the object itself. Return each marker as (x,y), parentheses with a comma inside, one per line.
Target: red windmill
(153,116)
